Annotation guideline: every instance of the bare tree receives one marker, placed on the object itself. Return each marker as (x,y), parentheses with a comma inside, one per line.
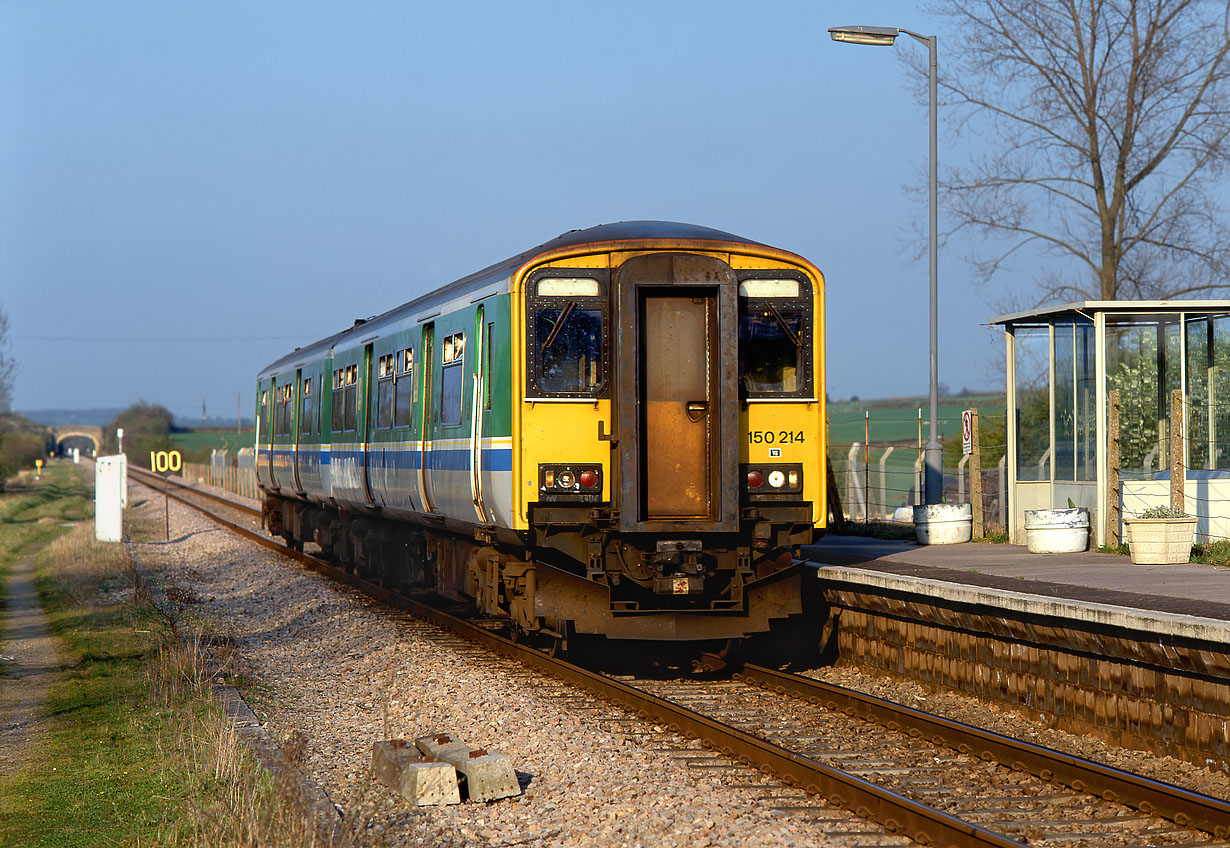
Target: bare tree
(1108,121)
(8,365)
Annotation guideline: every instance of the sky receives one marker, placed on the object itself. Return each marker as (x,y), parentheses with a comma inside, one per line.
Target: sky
(189,191)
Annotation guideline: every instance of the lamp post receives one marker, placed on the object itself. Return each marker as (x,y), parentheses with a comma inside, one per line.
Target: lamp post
(933,454)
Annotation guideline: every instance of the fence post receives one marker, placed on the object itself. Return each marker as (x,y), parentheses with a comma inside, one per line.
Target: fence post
(1178,472)
(852,485)
(1114,504)
(975,481)
(884,482)
(1003,488)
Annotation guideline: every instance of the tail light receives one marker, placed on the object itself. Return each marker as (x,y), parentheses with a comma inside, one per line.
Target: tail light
(780,481)
(569,481)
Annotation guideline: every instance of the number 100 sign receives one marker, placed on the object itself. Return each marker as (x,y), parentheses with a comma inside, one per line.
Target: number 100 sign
(164,461)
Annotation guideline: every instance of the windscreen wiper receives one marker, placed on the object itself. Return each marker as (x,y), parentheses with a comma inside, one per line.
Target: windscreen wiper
(786,328)
(559,324)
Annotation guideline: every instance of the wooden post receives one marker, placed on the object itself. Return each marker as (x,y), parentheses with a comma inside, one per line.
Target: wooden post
(1178,472)
(975,480)
(1114,504)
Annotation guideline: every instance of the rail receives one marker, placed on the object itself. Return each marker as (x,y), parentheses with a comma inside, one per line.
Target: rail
(895,812)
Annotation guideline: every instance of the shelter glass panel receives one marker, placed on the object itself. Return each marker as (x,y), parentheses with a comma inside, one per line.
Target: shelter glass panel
(1085,403)
(1133,360)
(1219,434)
(1033,403)
(1199,410)
(1065,406)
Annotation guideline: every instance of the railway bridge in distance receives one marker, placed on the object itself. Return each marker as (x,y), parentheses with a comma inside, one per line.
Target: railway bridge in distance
(67,431)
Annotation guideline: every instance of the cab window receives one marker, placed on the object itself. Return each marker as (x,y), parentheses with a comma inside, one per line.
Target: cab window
(774,335)
(568,334)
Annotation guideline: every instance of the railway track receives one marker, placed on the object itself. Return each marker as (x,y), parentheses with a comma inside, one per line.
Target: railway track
(934,780)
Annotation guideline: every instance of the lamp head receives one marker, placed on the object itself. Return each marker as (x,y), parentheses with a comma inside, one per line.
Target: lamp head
(878,36)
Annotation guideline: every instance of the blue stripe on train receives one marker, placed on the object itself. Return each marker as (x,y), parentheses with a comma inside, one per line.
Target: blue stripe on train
(439,459)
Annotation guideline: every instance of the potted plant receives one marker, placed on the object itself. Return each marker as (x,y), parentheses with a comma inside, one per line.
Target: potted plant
(1161,535)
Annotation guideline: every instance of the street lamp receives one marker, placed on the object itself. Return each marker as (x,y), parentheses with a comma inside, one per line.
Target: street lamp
(933,455)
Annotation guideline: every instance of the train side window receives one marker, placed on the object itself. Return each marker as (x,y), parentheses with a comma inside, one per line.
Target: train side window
(350,398)
(567,334)
(452,355)
(264,413)
(288,409)
(489,360)
(403,388)
(775,335)
(384,392)
(305,407)
(339,392)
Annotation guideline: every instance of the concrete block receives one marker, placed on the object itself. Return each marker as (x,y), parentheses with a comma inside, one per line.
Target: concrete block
(487,776)
(419,778)
(438,744)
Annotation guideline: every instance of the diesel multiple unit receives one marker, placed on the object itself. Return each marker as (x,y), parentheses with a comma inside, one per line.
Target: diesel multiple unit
(618,432)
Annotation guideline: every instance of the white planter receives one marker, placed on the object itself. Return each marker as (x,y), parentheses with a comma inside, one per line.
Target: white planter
(1160,541)
(1056,531)
(943,524)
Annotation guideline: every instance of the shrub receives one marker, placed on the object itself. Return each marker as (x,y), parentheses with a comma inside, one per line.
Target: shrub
(1163,512)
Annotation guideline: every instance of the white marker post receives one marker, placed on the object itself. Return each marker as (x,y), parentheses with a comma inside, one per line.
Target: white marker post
(108,514)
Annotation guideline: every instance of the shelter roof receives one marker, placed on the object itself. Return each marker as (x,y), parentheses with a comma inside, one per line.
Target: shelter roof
(1087,308)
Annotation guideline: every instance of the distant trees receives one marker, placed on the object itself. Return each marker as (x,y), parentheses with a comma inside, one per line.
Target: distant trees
(1108,123)
(146,427)
(21,442)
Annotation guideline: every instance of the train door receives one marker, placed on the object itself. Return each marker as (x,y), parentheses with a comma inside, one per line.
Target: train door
(271,427)
(426,414)
(296,406)
(366,391)
(677,394)
(478,353)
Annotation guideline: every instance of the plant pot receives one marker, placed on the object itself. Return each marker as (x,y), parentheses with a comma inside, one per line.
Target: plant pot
(1160,541)
(943,524)
(1056,531)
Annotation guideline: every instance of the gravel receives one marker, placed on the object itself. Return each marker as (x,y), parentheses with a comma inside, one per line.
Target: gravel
(333,670)
(325,664)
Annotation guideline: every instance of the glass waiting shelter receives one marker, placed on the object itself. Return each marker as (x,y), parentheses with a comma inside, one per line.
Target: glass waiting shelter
(1068,365)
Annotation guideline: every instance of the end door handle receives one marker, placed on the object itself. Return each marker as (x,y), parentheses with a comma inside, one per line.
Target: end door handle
(697,409)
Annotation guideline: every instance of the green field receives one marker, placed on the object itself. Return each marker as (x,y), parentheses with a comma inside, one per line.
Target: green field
(196,444)
(895,423)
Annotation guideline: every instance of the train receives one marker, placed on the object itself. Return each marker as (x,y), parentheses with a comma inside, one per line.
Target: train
(616,434)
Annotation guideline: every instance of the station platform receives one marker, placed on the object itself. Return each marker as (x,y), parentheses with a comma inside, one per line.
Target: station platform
(1190,599)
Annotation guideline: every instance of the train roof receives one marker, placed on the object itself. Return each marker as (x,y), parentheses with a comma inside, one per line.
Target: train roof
(603,233)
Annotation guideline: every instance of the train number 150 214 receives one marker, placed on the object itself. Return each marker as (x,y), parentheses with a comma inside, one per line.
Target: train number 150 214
(775,437)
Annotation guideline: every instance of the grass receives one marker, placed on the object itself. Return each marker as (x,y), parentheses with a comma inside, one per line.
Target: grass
(136,752)
(1212,553)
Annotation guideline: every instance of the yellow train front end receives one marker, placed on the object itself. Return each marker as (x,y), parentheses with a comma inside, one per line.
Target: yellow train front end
(668,431)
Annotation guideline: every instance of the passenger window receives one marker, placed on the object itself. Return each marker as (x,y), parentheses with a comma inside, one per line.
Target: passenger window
(489,360)
(453,355)
(339,391)
(350,399)
(265,407)
(403,389)
(384,392)
(305,407)
(774,337)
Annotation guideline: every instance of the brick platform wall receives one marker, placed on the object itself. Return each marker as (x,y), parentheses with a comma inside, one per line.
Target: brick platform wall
(1128,688)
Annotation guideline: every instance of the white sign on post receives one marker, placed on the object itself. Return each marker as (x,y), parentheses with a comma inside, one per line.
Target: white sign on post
(108,512)
(967,432)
